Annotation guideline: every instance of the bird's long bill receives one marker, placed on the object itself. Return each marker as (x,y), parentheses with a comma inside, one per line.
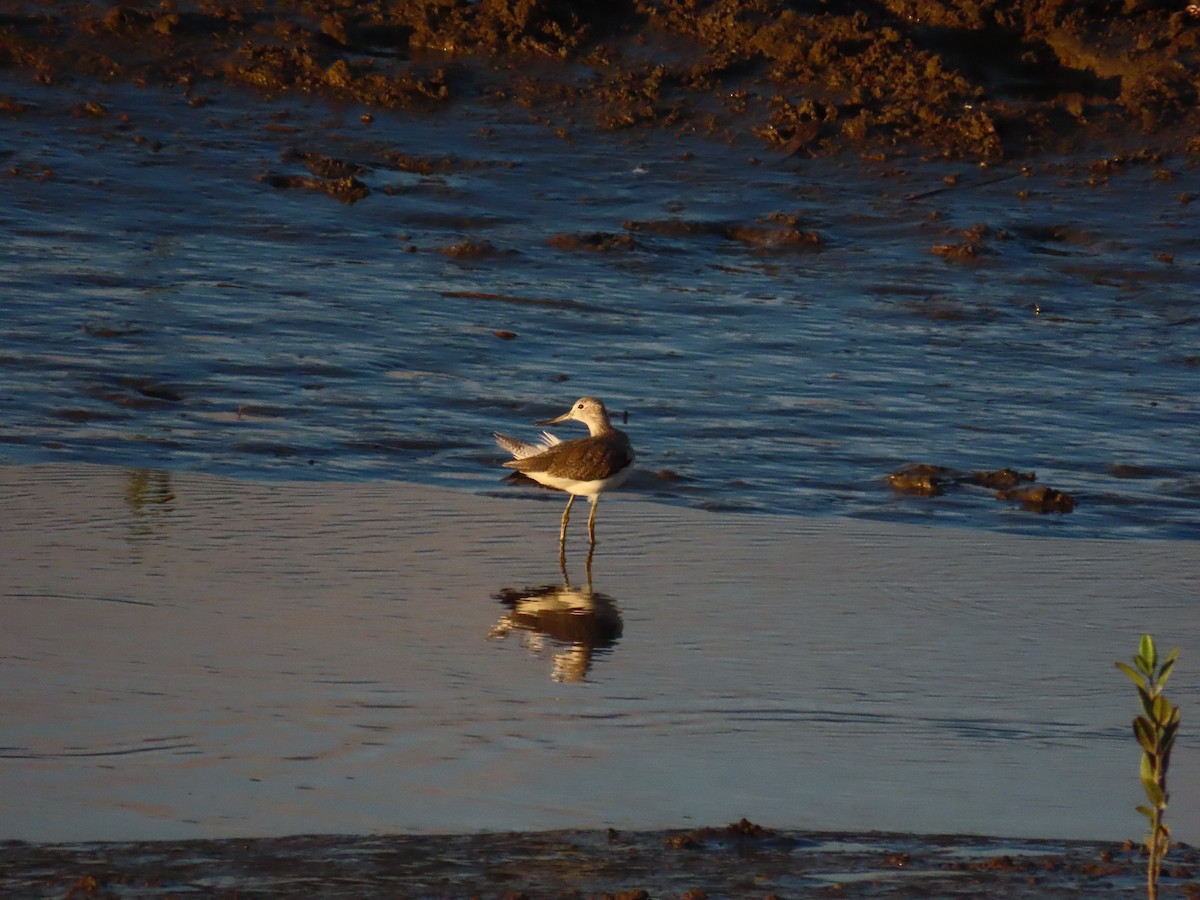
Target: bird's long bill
(556,419)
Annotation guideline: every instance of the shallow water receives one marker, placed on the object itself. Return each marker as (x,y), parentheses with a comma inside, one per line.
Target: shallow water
(166,306)
(188,656)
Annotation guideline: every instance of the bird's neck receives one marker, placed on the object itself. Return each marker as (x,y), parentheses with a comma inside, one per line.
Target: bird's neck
(599,426)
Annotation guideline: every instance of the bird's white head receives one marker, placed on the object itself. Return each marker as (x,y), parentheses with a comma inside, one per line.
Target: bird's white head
(589,411)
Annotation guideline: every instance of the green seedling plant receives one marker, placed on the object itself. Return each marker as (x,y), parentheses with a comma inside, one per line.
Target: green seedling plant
(1155,731)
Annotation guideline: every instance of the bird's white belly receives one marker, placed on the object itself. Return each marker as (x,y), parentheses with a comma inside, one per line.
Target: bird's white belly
(582,488)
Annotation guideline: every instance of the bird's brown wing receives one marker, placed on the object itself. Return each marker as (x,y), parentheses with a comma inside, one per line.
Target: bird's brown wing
(589,454)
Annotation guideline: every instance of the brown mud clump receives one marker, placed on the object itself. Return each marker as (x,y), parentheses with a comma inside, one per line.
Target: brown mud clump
(924,479)
(928,480)
(1000,479)
(347,190)
(736,832)
(470,250)
(1039,498)
(596,241)
(334,177)
(931,480)
(946,78)
(774,233)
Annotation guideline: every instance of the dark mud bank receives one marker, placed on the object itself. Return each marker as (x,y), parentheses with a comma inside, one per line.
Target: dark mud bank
(975,80)
(742,859)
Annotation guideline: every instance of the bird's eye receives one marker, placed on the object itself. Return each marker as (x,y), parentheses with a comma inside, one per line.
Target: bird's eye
(580,406)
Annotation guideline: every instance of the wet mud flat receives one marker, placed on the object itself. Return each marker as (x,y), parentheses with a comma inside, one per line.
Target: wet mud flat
(953,79)
(739,860)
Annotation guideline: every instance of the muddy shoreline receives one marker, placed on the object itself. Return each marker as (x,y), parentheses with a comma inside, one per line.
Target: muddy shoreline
(742,859)
(950,79)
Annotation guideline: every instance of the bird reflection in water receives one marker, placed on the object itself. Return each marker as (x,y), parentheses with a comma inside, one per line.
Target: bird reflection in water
(571,624)
(150,499)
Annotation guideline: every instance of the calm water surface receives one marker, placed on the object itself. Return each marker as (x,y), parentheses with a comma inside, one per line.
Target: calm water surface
(186,655)
(165,305)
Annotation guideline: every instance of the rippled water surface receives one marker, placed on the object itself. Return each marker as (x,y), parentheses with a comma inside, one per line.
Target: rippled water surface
(166,303)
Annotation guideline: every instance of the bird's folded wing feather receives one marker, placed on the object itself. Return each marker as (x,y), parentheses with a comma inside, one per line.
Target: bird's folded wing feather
(583,454)
(523,449)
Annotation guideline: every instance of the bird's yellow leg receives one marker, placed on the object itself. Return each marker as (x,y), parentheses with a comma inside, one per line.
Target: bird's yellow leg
(592,520)
(562,535)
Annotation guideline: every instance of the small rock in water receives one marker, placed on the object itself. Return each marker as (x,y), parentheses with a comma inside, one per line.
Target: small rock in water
(1000,479)
(922,478)
(1039,498)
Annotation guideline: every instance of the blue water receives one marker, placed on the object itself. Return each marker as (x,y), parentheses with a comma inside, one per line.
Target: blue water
(165,305)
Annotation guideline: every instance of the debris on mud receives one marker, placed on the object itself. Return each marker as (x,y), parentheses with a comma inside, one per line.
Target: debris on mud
(946,78)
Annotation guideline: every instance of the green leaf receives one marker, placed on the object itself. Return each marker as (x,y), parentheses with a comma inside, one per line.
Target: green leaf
(1136,677)
(1161,713)
(1150,766)
(1147,652)
(1165,672)
(1147,702)
(1154,793)
(1144,732)
(1147,812)
(1146,697)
